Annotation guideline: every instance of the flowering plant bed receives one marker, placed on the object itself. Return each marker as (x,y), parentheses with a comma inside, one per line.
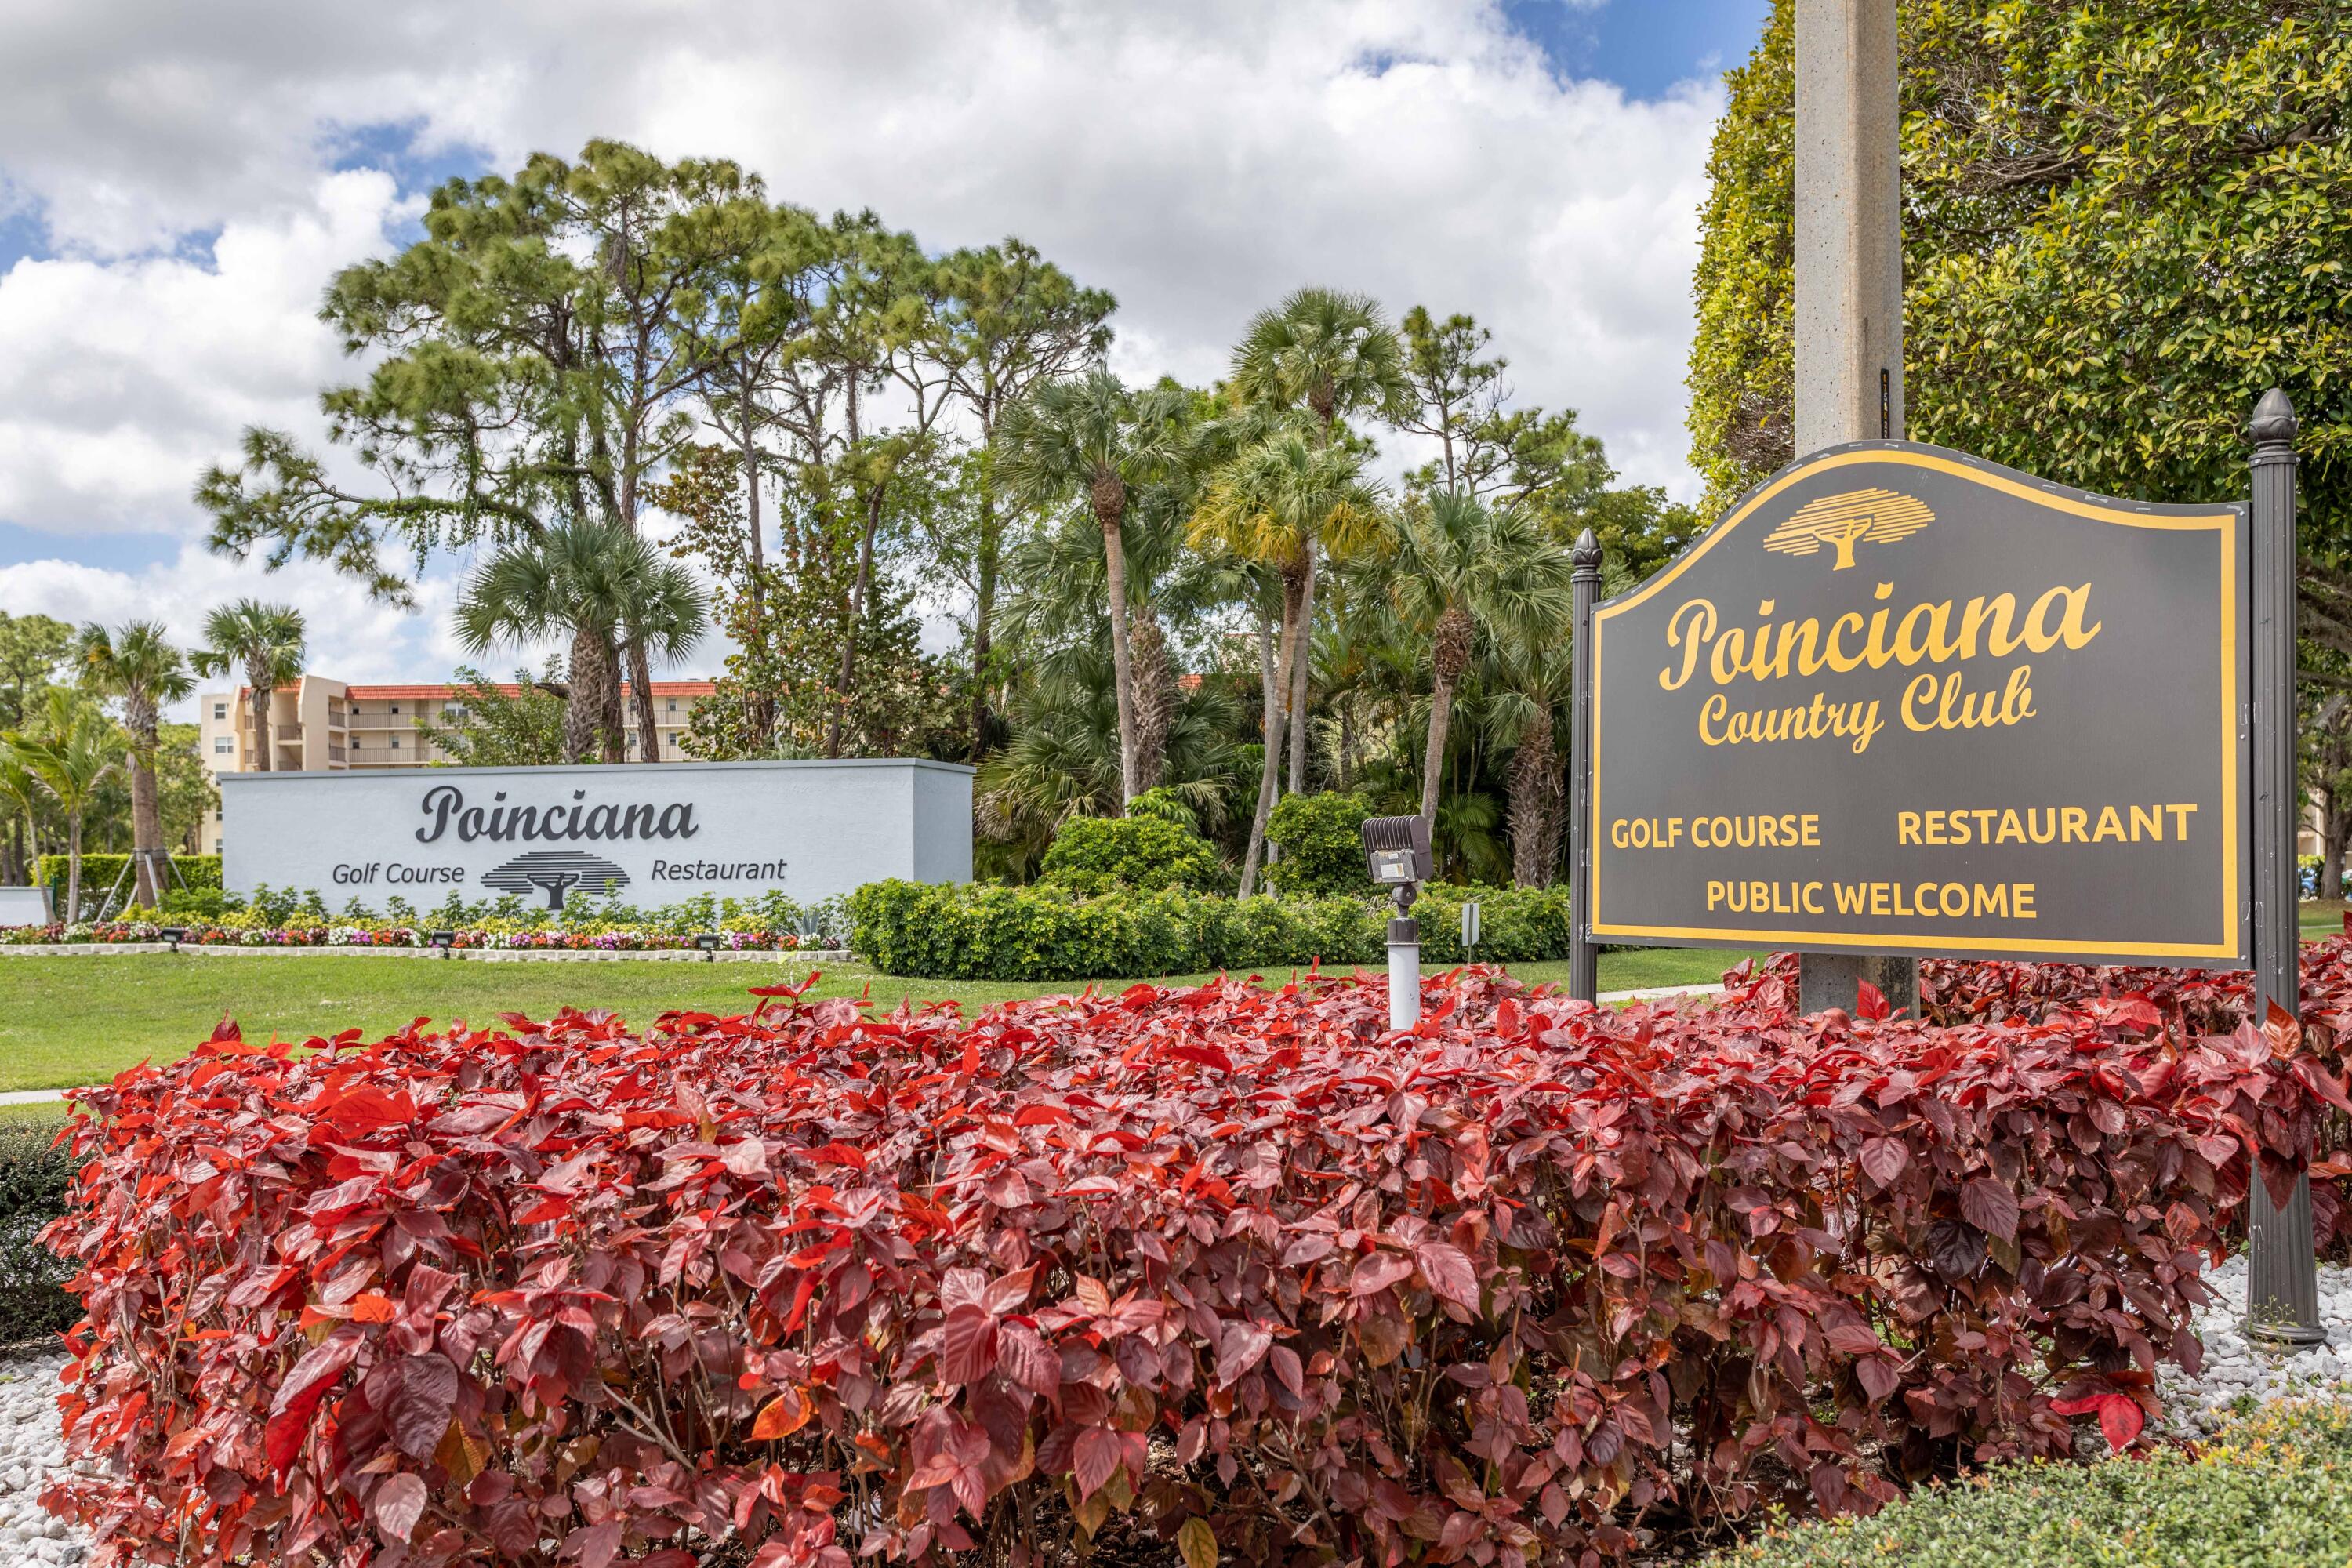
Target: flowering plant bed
(1241,1271)
(113,934)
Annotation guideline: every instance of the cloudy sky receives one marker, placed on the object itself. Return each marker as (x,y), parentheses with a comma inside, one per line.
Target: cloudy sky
(178,182)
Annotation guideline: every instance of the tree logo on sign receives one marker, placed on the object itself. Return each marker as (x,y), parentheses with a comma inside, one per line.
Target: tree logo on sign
(1842,522)
(555,872)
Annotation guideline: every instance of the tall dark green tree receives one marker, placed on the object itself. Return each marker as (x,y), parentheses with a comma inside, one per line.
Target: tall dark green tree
(2122,223)
(1090,439)
(1333,355)
(1007,321)
(136,665)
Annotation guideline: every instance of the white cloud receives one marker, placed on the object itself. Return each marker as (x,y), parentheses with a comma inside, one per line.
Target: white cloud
(1200,158)
(120,379)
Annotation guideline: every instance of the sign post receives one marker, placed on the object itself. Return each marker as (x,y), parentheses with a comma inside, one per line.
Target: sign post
(2283,1270)
(1848,302)
(1583,955)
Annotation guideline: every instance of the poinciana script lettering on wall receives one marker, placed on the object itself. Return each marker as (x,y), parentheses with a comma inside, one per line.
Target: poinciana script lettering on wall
(1902,701)
(446,811)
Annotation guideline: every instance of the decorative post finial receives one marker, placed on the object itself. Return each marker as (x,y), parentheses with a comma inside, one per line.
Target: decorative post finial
(2274,424)
(1586,555)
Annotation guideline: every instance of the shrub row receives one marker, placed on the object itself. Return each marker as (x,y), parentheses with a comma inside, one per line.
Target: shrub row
(2268,1492)
(973,931)
(1239,1271)
(35,1175)
(99,873)
(205,934)
(1091,853)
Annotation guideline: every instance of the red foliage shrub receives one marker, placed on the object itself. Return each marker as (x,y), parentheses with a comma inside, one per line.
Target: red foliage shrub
(2190,1001)
(1271,1283)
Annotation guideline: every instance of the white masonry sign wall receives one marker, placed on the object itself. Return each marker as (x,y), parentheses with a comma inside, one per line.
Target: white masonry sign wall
(651,834)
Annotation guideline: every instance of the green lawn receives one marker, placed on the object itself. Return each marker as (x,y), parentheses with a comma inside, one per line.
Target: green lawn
(68,1021)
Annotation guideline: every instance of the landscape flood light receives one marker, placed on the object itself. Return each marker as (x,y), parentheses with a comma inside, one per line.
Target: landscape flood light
(1396,850)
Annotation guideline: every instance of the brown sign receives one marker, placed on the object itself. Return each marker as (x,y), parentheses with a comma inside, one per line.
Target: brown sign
(1903,701)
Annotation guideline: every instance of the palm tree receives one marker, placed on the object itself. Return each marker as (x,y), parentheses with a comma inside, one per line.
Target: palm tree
(1058,767)
(599,583)
(1332,354)
(1461,565)
(20,794)
(665,617)
(71,753)
(1089,435)
(1270,505)
(137,664)
(266,643)
(1532,678)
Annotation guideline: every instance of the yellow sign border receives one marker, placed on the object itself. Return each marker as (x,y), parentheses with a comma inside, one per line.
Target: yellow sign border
(2223,523)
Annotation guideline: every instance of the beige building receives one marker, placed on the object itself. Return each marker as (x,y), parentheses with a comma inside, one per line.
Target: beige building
(321,725)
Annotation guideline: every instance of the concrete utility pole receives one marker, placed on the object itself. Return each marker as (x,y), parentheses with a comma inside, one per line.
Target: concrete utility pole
(1849,308)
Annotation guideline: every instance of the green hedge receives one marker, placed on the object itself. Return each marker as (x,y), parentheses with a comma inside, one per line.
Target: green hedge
(1322,842)
(33,1179)
(2269,1492)
(1093,853)
(972,931)
(99,871)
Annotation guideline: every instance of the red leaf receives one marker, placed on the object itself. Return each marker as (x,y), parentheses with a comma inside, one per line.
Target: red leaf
(398,1502)
(1027,1359)
(1375,1272)
(2120,1416)
(1991,1206)
(1870,1002)
(1240,1345)
(1097,1455)
(968,1344)
(423,1402)
(299,1396)
(2284,1030)
(784,1414)
(1883,1160)
(367,1107)
(1449,1272)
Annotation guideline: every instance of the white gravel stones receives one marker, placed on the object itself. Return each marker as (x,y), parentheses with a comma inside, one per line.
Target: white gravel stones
(31,1450)
(2236,1376)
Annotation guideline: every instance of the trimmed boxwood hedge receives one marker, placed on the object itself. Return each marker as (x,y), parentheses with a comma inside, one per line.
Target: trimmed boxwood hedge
(2268,1492)
(974,932)
(34,1175)
(1092,854)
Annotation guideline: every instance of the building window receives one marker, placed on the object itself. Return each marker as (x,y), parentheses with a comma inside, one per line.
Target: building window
(453,712)
(223,745)
(217,846)
(395,708)
(396,742)
(673,704)
(220,709)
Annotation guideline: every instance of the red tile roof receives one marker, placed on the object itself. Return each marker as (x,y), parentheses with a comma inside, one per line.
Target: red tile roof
(428,693)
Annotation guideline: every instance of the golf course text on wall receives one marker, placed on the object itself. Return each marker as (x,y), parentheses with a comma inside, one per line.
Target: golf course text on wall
(649,832)
(1903,701)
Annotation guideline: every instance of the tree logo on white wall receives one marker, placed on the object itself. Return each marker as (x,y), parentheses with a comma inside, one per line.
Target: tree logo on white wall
(556,872)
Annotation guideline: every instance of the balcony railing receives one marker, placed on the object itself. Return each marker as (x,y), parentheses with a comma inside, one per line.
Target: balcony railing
(334,752)
(289,731)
